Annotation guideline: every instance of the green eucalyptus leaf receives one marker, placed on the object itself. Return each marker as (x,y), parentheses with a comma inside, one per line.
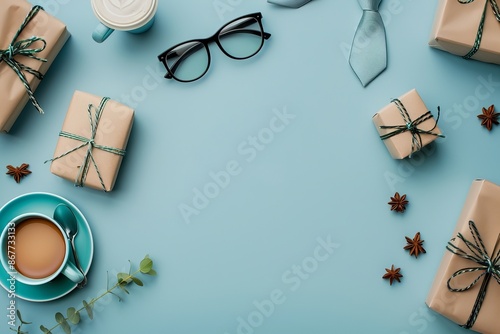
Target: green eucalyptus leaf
(59,318)
(73,315)
(152,272)
(123,278)
(88,308)
(123,288)
(146,265)
(107,283)
(66,328)
(137,281)
(20,318)
(45,330)
(18,330)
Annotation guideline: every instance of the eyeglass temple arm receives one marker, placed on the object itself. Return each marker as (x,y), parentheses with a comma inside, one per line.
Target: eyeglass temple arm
(243,24)
(247,31)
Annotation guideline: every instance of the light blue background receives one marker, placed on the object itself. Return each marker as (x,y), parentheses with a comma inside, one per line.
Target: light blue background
(326,175)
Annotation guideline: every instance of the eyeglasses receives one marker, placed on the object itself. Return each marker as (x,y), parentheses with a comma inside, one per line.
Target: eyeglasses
(239,39)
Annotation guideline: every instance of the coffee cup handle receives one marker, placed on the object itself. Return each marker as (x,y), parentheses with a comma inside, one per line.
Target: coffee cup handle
(71,272)
(101,32)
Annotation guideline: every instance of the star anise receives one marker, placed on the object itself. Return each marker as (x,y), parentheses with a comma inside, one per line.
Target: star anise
(415,245)
(489,117)
(392,274)
(18,172)
(398,203)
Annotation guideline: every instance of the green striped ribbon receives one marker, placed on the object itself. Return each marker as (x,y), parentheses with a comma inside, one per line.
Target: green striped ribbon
(411,126)
(25,48)
(90,143)
(479,36)
(489,268)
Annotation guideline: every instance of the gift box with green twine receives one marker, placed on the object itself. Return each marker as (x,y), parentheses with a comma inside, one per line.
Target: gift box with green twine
(468,28)
(466,287)
(405,125)
(92,142)
(30,40)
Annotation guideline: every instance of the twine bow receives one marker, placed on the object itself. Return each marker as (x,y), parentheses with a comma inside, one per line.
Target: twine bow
(411,126)
(489,268)
(90,144)
(25,48)
(479,36)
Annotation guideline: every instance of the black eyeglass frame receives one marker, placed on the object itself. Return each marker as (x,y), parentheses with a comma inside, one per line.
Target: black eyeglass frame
(214,38)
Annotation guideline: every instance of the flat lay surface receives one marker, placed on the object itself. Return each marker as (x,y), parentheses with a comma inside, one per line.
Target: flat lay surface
(260,190)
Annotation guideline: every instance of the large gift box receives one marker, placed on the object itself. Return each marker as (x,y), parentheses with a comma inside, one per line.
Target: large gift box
(472,254)
(92,142)
(468,28)
(406,125)
(38,31)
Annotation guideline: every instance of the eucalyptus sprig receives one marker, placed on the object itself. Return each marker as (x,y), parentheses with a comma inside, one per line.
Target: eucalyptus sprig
(123,279)
(19,330)
(73,314)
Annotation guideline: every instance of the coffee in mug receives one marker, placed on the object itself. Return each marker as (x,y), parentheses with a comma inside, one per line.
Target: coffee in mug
(40,248)
(35,250)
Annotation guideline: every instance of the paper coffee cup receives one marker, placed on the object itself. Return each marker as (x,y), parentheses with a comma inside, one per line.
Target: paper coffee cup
(126,15)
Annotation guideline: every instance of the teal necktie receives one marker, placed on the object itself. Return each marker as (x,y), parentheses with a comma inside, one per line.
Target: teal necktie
(368,56)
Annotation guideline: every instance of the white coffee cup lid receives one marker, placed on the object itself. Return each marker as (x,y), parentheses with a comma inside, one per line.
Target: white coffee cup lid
(124,14)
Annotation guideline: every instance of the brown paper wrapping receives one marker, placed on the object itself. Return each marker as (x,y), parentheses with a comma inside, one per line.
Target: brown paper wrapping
(482,206)
(12,91)
(113,130)
(400,146)
(455,30)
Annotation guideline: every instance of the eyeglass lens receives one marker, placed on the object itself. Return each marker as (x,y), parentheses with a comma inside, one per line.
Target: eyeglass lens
(188,61)
(240,39)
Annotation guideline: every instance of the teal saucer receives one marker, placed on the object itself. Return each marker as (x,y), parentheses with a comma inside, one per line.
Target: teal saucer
(46,203)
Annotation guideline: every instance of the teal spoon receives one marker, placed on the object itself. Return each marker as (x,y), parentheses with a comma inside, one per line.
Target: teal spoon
(64,216)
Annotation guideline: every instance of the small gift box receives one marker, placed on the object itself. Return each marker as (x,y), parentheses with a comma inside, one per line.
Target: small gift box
(468,28)
(92,142)
(406,125)
(30,40)
(466,288)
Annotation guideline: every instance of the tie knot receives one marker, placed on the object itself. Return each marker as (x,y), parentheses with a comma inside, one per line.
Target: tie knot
(371,5)
(7,54)
(491,267)
(411,127)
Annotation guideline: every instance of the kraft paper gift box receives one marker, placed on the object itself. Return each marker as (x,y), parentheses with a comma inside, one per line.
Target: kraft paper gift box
(13,92)
(482,207)
(406,125)
(457,27)
(90,154)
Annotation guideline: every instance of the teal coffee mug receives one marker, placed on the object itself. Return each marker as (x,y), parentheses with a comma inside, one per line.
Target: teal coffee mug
(35,250)
(134,16)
